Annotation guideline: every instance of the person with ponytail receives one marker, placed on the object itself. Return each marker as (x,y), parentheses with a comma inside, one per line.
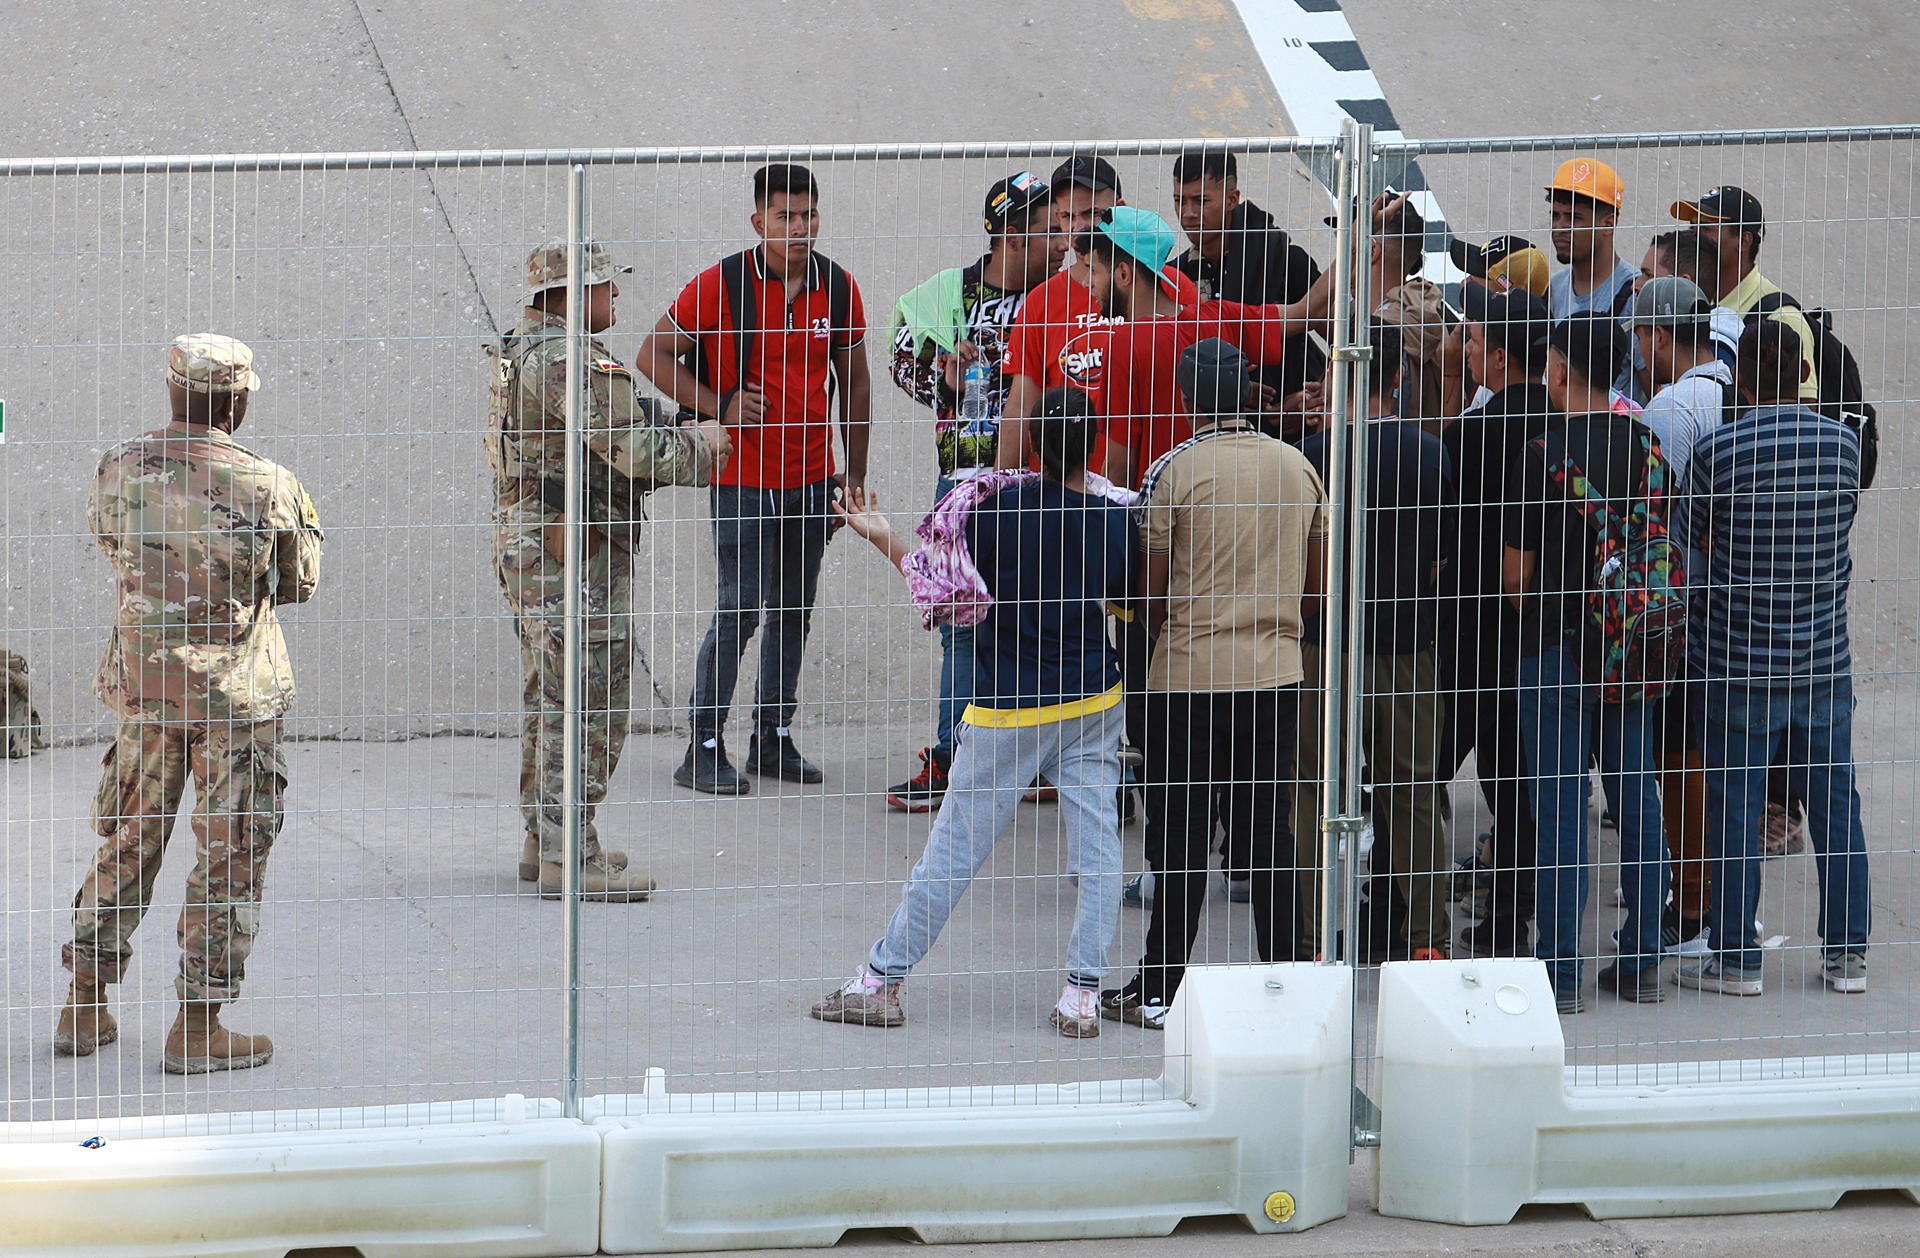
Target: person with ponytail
(1050,551)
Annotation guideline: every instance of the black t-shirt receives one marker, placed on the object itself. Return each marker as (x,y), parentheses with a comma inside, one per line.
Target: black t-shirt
(1259,266)
(1541,518)
(1482,446)
(1052,559)
(1409,483)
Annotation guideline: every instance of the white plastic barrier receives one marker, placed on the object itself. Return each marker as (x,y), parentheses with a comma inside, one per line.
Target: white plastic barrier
(504,1178)
(1254,1121)
(1480,1115)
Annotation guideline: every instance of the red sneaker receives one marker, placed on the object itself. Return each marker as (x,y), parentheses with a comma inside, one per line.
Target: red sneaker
(924,790)
(1041,792)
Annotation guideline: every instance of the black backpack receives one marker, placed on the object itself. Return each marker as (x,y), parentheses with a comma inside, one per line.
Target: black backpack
(1842,396)
(743,305)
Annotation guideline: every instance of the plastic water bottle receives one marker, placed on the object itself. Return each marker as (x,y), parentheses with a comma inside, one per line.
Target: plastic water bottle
(976,403)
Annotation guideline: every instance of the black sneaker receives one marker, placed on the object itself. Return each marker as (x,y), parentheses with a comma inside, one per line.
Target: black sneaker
(772,754)
(1497,937)
(707,769)
(924,790)
(1642,987)
(1569,1000)
(1125,1004)
(1676,930)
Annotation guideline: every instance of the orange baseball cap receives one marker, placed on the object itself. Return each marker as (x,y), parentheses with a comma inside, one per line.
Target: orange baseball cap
(1585,177)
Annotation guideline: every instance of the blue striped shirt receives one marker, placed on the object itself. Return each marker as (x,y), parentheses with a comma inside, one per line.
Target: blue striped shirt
(1770,500)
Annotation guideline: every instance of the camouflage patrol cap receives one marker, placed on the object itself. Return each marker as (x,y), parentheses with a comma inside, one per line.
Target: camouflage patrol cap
(547,266)
(207,362)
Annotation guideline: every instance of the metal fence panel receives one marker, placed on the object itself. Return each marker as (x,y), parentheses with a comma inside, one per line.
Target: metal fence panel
(1839,227)
(399,959)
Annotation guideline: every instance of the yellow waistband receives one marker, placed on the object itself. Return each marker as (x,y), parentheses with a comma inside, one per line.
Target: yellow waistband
(1017,718)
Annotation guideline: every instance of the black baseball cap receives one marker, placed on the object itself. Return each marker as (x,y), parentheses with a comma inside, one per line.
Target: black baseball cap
(1594,345)
(1480,259)
(1515,320)
(1405,221)
(1213,377)
(1724,205)
(1085,170)
(1016,194)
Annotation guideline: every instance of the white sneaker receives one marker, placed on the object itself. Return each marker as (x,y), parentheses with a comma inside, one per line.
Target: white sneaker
(1077,1016)
(1846,973)
(1711,976)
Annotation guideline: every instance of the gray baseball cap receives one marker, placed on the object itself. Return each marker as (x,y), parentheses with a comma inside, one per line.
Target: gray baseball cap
(1668,301)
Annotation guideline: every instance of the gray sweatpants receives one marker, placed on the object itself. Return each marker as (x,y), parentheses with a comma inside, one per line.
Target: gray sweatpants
(992,768)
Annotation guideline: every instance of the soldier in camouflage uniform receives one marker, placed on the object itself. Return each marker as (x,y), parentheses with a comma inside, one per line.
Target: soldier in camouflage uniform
(633,444)
(206,539)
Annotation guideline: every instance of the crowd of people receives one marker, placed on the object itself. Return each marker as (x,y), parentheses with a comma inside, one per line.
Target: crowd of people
(1606,524)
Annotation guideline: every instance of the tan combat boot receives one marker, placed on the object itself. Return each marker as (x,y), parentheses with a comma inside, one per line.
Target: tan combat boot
(198,1044)
(530,859)
(85,1023)
(601,878)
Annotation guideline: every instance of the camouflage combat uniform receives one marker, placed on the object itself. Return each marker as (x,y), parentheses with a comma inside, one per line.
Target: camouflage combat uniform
(632,445)
(205,539)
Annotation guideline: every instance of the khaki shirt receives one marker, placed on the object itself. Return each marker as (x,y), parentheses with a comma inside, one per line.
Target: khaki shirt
(1234,513)
(206,538)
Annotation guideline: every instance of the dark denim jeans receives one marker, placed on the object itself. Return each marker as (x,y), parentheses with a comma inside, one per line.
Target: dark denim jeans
(768,543)
(1743,729)
(1560,716)
(956,664)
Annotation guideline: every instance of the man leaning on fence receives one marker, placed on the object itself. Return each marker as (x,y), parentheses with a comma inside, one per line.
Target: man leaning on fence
(206,538)
(631,445)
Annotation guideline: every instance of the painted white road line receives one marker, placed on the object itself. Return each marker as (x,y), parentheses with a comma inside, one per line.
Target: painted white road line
(1322,77)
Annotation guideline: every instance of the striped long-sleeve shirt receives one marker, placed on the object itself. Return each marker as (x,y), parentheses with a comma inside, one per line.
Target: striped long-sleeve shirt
(1770,501)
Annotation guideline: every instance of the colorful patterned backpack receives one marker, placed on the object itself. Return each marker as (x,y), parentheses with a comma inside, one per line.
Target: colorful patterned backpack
(1633,617)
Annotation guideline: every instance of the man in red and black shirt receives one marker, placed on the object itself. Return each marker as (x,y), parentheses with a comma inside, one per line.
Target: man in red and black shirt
(771,507)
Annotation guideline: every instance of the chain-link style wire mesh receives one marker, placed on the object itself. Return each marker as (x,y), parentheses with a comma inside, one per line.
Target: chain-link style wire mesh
(1767,505)
(400,958)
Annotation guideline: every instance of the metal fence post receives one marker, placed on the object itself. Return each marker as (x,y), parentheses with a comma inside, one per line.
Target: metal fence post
(1338,823)
(1359,313)
(575,613)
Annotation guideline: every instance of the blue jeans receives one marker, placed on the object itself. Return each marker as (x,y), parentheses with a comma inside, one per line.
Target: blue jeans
(768,543)
(1560,715)
(1742,728)
(956,664)
(991,770)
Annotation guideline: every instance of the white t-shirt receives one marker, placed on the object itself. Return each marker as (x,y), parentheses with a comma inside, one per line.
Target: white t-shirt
(1687,410)
(1726,325)
(1680,415)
